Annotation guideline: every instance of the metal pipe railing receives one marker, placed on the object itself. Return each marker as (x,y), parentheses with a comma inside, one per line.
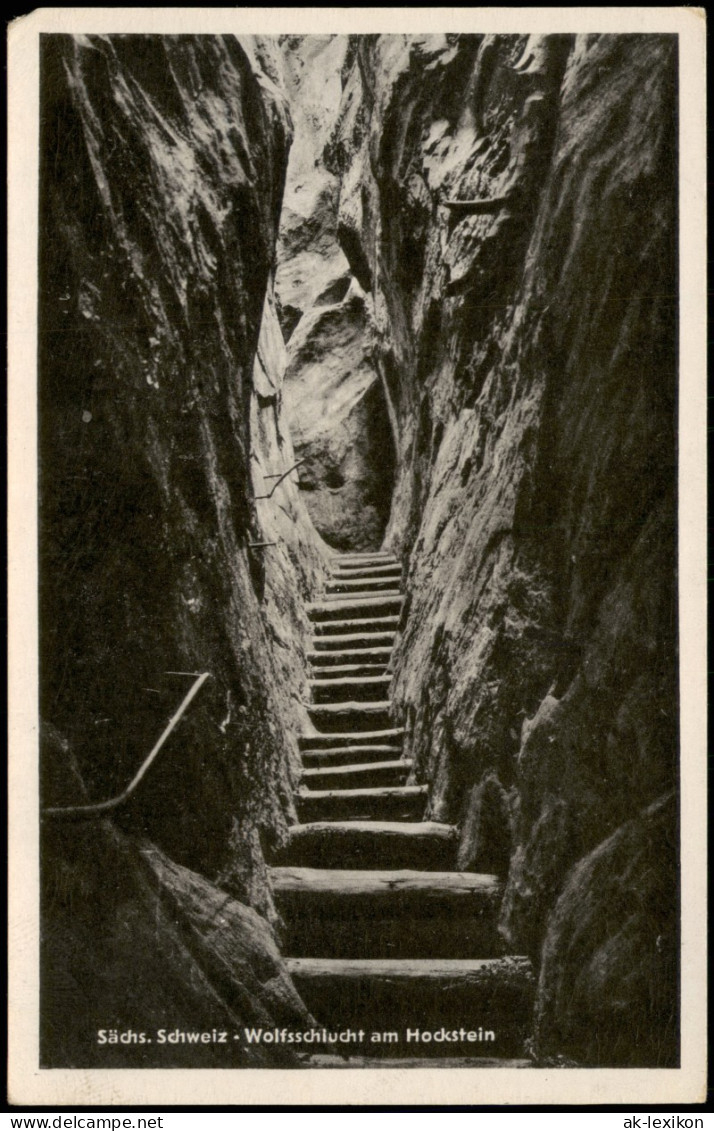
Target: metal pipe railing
(279,480)
(495,204)
(101,807)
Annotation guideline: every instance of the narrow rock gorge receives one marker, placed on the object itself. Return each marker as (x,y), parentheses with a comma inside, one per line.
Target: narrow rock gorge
(160,387)
(357,376)
(335,401)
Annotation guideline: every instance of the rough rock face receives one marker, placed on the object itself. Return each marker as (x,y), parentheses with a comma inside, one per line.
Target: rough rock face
(338,421)
(293,556)
(164,162)
(334,398)
(509,204)
(136,943)
(312,269)
(614,928)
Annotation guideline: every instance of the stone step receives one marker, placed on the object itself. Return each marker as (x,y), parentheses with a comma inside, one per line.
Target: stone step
(377,557)
(347,755)
(343,657)
(369,687)
(355,715)
(391,803)
(362,892)
(390,735)
(387,567)
(355,642)
(363,628)
(344,585)
(361,775)
(355,607)
(357,571)
(346,671)
(488,997)
(360,913)
(426,845)
(360,595)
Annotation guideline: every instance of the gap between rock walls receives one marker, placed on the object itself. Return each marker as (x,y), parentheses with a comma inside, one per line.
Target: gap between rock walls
(366,406)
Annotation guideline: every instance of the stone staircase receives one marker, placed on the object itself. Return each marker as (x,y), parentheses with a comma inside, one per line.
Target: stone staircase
(383,935)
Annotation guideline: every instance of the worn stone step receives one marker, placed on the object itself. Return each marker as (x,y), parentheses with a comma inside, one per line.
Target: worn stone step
(491,998)
(344,586)
(362,628)
(348,755)
(383,568)
(374,588)
(360,596)
(354,642)
(360,775)
(336,658)
(388,735)
(346,671)
(369,687)
(377,557)
(357,571)
(355,607)
(397,913)
(391,803)
(352,714)
(362,892)
(426,845)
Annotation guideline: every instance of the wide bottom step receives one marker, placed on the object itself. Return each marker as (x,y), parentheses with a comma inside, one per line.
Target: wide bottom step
(463,1005)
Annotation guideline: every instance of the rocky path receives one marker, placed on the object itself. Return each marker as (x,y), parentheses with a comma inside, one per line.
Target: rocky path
(384,936)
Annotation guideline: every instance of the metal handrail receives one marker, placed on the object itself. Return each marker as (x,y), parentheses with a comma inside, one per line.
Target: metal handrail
(279,481)
(485,205)
(101,807)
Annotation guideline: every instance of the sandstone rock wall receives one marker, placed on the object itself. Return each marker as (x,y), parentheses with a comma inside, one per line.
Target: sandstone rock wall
(164,161)
(334,399)
(508,204)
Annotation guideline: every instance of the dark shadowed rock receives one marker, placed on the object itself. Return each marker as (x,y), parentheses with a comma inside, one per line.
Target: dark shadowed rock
(611,949)
(486,833)
(163,170)
(137,944)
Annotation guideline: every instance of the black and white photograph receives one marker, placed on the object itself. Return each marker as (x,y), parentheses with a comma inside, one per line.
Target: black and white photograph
(359,387)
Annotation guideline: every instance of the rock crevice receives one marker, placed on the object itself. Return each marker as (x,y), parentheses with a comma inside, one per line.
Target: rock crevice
(163,168)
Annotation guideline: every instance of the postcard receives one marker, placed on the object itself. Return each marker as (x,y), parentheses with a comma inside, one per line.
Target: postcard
(357,556)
